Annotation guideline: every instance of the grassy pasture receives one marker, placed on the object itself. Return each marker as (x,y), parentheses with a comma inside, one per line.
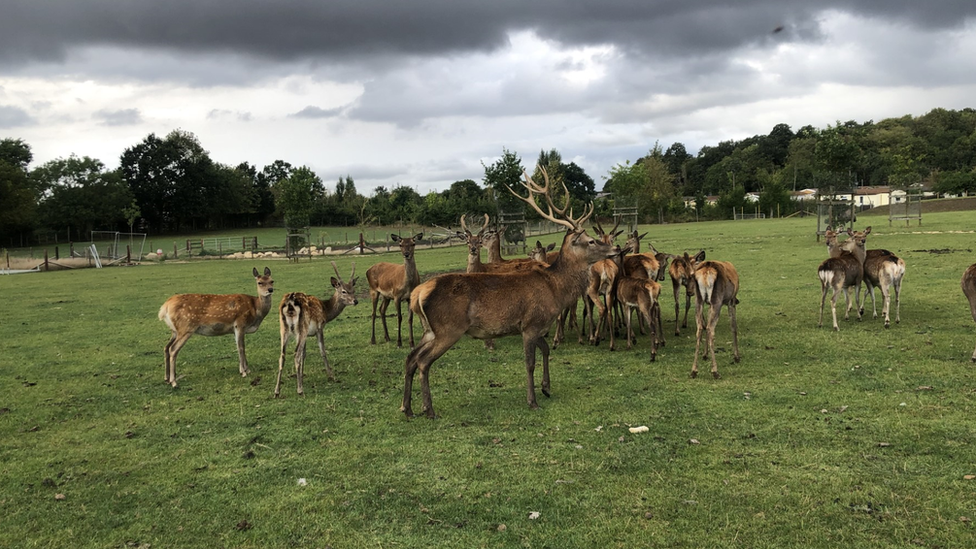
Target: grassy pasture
(860,438)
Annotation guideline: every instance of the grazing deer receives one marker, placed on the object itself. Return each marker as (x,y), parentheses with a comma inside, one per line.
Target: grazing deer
(391,281)
(882,269)
(682,274)
(716,284)
(301,315)
(214,315)
(841,271)
(485,305)
(643,294)
(969,288)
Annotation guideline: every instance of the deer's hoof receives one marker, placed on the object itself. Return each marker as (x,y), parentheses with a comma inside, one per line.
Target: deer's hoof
(694,374)
(545,392)
(715,375)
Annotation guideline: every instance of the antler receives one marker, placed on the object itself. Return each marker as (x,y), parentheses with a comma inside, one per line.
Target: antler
(352,274)
(551,215)
(336,269)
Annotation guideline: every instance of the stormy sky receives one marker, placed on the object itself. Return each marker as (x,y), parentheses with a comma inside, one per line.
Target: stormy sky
(422,92)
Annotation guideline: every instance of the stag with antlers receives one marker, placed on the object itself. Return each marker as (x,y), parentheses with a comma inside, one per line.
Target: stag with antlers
(390,281)
(301,315)
(215,315)
(486,305)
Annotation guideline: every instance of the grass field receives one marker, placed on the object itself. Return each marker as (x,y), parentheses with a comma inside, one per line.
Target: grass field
(857,438)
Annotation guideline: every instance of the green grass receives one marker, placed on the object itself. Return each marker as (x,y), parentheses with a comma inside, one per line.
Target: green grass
(859,438)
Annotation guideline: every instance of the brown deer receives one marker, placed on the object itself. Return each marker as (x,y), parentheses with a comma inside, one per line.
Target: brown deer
(882,269)
(301,315)
(214,315)
(716,284)
(969,289)
(599,291)
(682,274)
(641,293)
(543,254)
(641,264)
(475,241)
(391,281)
(485,305)
(841,272)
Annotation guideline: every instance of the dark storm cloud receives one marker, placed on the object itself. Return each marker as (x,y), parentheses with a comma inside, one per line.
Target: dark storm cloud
(122,117)
(350,29)
(14,117)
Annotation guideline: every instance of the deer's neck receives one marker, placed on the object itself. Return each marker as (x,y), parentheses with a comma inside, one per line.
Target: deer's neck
(262,309)
(568,278)
(412,277)
(474,263)
(495,250)
(333,307)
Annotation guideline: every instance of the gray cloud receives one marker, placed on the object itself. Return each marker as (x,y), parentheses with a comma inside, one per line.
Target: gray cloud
(14,117)
(312,111)
(224,114)
(121,117)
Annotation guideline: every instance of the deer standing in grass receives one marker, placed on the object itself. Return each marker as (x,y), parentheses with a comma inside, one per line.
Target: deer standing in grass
(642,294)
(599,292)
(391,281)
(841,272)
(716,284)
(682,274)
(882,269)
(215,315)
(475,241)
(486,305)
(969,289)
(301,315)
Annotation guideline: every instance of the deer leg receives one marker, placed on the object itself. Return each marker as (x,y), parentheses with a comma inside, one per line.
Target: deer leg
(383,307)
(582,325)
(735,332)
(544,347)
(374,297)
(167,361)
(608,307)
(869,289)
(241,356)
(847,299)
(399,311)
(529,345)
(630,333)
(328,368)
(676,286)
(174,349)
(654,329)
(699,326)
(410,321)
(422,357)
(833,307)
(713,315)
(281,360)
(823,300)
(300,360)
(897,283)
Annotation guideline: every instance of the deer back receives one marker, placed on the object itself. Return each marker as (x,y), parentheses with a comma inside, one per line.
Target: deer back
(717,282)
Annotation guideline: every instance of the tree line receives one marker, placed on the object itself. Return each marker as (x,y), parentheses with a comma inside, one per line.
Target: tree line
(170,184)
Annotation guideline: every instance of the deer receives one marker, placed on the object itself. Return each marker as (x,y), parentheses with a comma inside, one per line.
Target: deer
(642,294)
(475,241)
(682,274)
(599,291)
(641,264)
(215,315)
(391,281)
(716,284)
(969,289)
(543,254)
(841,272)
(882,269)
(301,315)
(492,305)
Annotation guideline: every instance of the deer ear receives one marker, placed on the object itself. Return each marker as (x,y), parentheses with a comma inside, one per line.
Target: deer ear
(867,231)
(256,275)
(700,256)
(395,237)
(641,236)
(335,282)
(463,236)
(267,271)
(419,236)
(551,247)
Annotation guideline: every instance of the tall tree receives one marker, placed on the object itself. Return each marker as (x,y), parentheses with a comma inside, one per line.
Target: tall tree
(17,197)
(297,195)
(80,195)
(506,171)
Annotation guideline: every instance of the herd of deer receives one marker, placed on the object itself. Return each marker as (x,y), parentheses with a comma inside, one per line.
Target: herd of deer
(527,296)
